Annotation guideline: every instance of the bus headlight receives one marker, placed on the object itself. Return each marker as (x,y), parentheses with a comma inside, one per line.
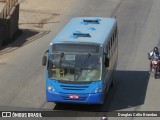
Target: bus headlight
(97,90)
(51,88)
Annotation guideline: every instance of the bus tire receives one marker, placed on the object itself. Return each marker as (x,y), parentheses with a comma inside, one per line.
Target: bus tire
(113,80)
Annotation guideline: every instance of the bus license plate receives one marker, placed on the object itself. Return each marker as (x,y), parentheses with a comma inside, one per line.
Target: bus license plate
(73,96)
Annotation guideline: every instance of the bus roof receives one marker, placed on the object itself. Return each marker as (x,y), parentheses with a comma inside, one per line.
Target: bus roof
(86,30)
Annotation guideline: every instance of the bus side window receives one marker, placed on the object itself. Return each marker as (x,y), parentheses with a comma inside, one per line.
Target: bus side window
(116,37)
(107,50)
(111,48)
(114,41)
(111,41)
(108,47)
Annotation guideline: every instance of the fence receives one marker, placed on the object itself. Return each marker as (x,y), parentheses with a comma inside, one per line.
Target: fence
(7,8)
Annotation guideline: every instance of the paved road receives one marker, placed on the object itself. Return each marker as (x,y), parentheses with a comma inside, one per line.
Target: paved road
(22,78)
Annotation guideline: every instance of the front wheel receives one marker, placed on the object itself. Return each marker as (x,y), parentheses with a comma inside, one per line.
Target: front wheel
(156,75)
(153,72)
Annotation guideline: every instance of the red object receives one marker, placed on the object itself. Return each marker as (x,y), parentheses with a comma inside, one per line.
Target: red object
(73,96)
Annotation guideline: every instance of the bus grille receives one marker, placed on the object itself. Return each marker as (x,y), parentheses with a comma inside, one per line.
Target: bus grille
(67,87)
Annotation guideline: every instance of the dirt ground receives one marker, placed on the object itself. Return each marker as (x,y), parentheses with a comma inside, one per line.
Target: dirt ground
(36,19)
(41,14)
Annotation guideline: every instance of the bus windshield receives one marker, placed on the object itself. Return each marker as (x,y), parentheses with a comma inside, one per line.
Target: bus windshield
(78,67)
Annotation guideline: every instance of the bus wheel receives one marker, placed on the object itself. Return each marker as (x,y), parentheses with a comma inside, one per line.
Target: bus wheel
(113,79)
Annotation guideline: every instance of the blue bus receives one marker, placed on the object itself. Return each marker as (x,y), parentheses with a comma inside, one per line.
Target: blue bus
(81,61)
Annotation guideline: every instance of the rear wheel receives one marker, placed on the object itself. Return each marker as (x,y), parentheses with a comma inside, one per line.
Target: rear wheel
(113,79)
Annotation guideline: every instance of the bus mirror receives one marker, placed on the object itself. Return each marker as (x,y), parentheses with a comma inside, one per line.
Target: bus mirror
(44,60)
(106,62)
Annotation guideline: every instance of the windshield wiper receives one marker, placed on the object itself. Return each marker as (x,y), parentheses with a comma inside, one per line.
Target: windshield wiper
(85,60)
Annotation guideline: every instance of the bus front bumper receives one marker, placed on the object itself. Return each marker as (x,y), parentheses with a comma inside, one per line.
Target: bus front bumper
(96,98)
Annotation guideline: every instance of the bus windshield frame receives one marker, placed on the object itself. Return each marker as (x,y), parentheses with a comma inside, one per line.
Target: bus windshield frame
(75,65)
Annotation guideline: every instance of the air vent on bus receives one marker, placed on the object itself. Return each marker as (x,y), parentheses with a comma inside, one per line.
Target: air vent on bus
(92,21)
(81,35)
